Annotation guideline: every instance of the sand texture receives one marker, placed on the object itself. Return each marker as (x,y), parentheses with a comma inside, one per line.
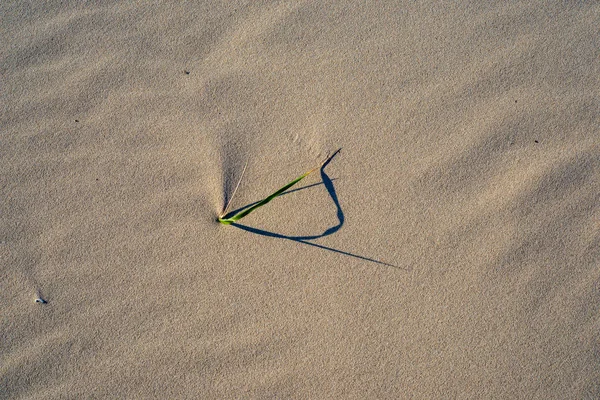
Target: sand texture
(450,250)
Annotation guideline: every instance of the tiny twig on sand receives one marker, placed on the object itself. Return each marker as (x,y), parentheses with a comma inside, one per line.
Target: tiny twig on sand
(226,208)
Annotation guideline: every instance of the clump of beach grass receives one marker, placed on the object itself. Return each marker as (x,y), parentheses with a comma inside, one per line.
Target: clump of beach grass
(241,214)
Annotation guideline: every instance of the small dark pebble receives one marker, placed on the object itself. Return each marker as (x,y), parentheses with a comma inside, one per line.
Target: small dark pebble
(76,120)
(187,72)
(536,141)
(40,300)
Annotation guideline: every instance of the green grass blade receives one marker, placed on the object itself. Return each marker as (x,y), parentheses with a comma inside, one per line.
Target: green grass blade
(243,213)
(261,203)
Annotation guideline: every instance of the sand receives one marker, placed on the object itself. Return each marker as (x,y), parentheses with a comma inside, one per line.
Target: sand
(450,250)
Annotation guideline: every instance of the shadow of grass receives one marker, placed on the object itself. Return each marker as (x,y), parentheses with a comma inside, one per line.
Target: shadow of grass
(328,182)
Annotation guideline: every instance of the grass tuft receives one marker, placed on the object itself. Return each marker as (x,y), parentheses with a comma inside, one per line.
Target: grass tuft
(279,192)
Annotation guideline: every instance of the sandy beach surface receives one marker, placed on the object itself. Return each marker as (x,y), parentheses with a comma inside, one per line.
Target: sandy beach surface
(450,250)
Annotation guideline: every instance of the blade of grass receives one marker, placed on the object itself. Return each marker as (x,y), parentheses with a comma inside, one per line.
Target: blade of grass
(226,208)
(243,213)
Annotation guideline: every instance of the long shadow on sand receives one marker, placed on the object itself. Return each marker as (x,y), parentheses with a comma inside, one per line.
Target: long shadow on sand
(328,182)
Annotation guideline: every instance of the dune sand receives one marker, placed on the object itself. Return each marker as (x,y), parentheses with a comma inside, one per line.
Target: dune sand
(451,250)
